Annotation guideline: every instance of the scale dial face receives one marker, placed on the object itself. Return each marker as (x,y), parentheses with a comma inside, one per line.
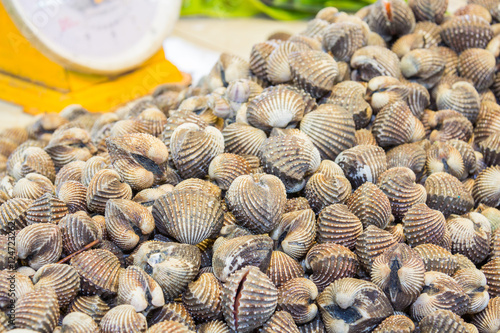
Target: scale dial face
(96,36)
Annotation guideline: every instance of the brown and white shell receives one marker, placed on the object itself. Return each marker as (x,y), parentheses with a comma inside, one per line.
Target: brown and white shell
(74,195)
(123,318)
(409,155)
(227,167)
(342,39)
(37,311)
(92,306)
(474,284)
(424,66)
(443,321)
(418,98)
(137,288)
(447,194)
(330,262)
(202,298)
(22,286)
(298,203)
(63,279)
(371,243)
(78,230)
(173,312)
(92,166)
(30,159)
(283,268)
(297,297)
(243,139)
(370,204)
(466,32)
(391,18)
(373,61)
(200,185)
(396,323)
(487,187)
(460,96)
(322,190)
(488,320)
(280,321)
(69,172)
(491,270)
(106,184)
(32,186)
(249,298)
(46,209)
(437,258)
(429,10)
(448,125)
(70,144)
(336,224)
(257,201)
(424,225)
(169,326)
(353,305)
(470,236)
(399,272)
(13,214)
(39,244)
(477,65)
(331,129)
(79,322)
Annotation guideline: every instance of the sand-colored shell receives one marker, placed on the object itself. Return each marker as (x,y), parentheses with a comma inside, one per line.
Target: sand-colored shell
(257,201)
(16,134)
(473,283)
(336,224)
(440,292)
(64,279)
(249,298)
(92,306)
(37,311)
(391,18)
(424,225)
(373,61)
(153,120)
(313,71)
(240,252)
(30,159)
(470,236)
(282,268)
(474,9)
(350,95)
(202,298)
(137,288)
(13,214)
(177,118)
(79,322)
(280,322)
(495,245)
(39,244)
(402,191)
(396,323)
(69,172)
(477,65)
(492,272)
(295,232)
(296,297)
(106,184)
(331,129)
(371,243)
(215,326)
(44,125)
(227,167)
(418,99)
(22,286)
(188,216)
(397,231)
(99,270)
(466,32)
(294,204)
(354,305)
(488,320)
(447,194)
(200,185)
(399,272)
(409,42)
(436,258)
(46,209)
(342,39)
(448,125)
(32,186)
(315,28)
(443,321)
(173,312)
(362,163)
(172,265)
(364,137)
(127,126)
(424,66)
(74,195)
(92,166)
(123,318)
(278,68)
(70,144)
(78,230)
(243,139)
(486,189)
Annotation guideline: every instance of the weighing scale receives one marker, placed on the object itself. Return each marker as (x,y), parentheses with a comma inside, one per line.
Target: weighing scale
(96,53)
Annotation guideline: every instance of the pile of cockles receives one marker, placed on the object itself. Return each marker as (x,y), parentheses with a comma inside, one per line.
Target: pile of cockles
(344,179)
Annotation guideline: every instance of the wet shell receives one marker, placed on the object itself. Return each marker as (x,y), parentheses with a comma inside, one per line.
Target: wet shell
(491,271)
(123,318)
(195,184)
(447,194)
(202,298)
(313,71)
(106,184)
(188,216)
(216,326)
(330,262)
(13,214)
(400,187)
(399,272)
(362,163)
(25,160)
(487,187)
(69,172)
(371,243)
(296,297)
(172,265)
(249,298)
(440,292)
(343,39)
(353,305)
(243,139)
(79,322)
(172,311)
(240,252)
(466,32)
(409,155)
(473,283)
(488,320)
(39,244)
(295,233)
(364,137)
(137,288)
(226,167)
(257,201)
(64,279)
(46,209)
(395,324)
(336,224)
(281,321)
(78,230)
(37,311)
(330,128)
(74,195)
(470,236)
(193,148)
(99,271)
(92,306)
(424,225)
(443,321)
(373,61)
(32,186)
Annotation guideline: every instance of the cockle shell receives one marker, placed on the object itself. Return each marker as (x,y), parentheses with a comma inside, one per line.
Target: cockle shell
(259,55)
(399,272)
(391,18)
(172,265)
(343,39)
(465,32)
(424,225)
(294,204)
(92,306)
(123,318)
(296,297)
(32,186)
(278,67)
(488,121)
(99,271)
(474,9)
(199,185)
(13,214)
(215,326)
(353,305)
(488,320)
(385,90)
(436,258)
(137,288)
(169,326)
(459,96)
(257,201)
(127,126)
(92,166)
(477,65)
(63,279)
(447,194)
(370,205)
(226,167)
(78,230)
(443,321)
(474,284)
(243,139)
(173,312)
(282,268)
(491,149)
(350,95)
(491,270)
(70,144)
(330,128)
(467,153)
(373,61)
(330,168)
(280,321)
(409,155)
(28,159)
(249,298)
(79,322)
(336,224)
(440,292)
(395,324)
(322,190)
(74,195)
(371,243)
(450,125)
(470,236)
(38,311)
(153,120)
(330,262)
(295,232)
(314,326)
(202,297)
(22,285)
(39,244)
(364,137)
(424,66)
(106,184)
(315,28)
(487,187)
(69,172)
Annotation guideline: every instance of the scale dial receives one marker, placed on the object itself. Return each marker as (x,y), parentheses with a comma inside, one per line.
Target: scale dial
(96,36)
